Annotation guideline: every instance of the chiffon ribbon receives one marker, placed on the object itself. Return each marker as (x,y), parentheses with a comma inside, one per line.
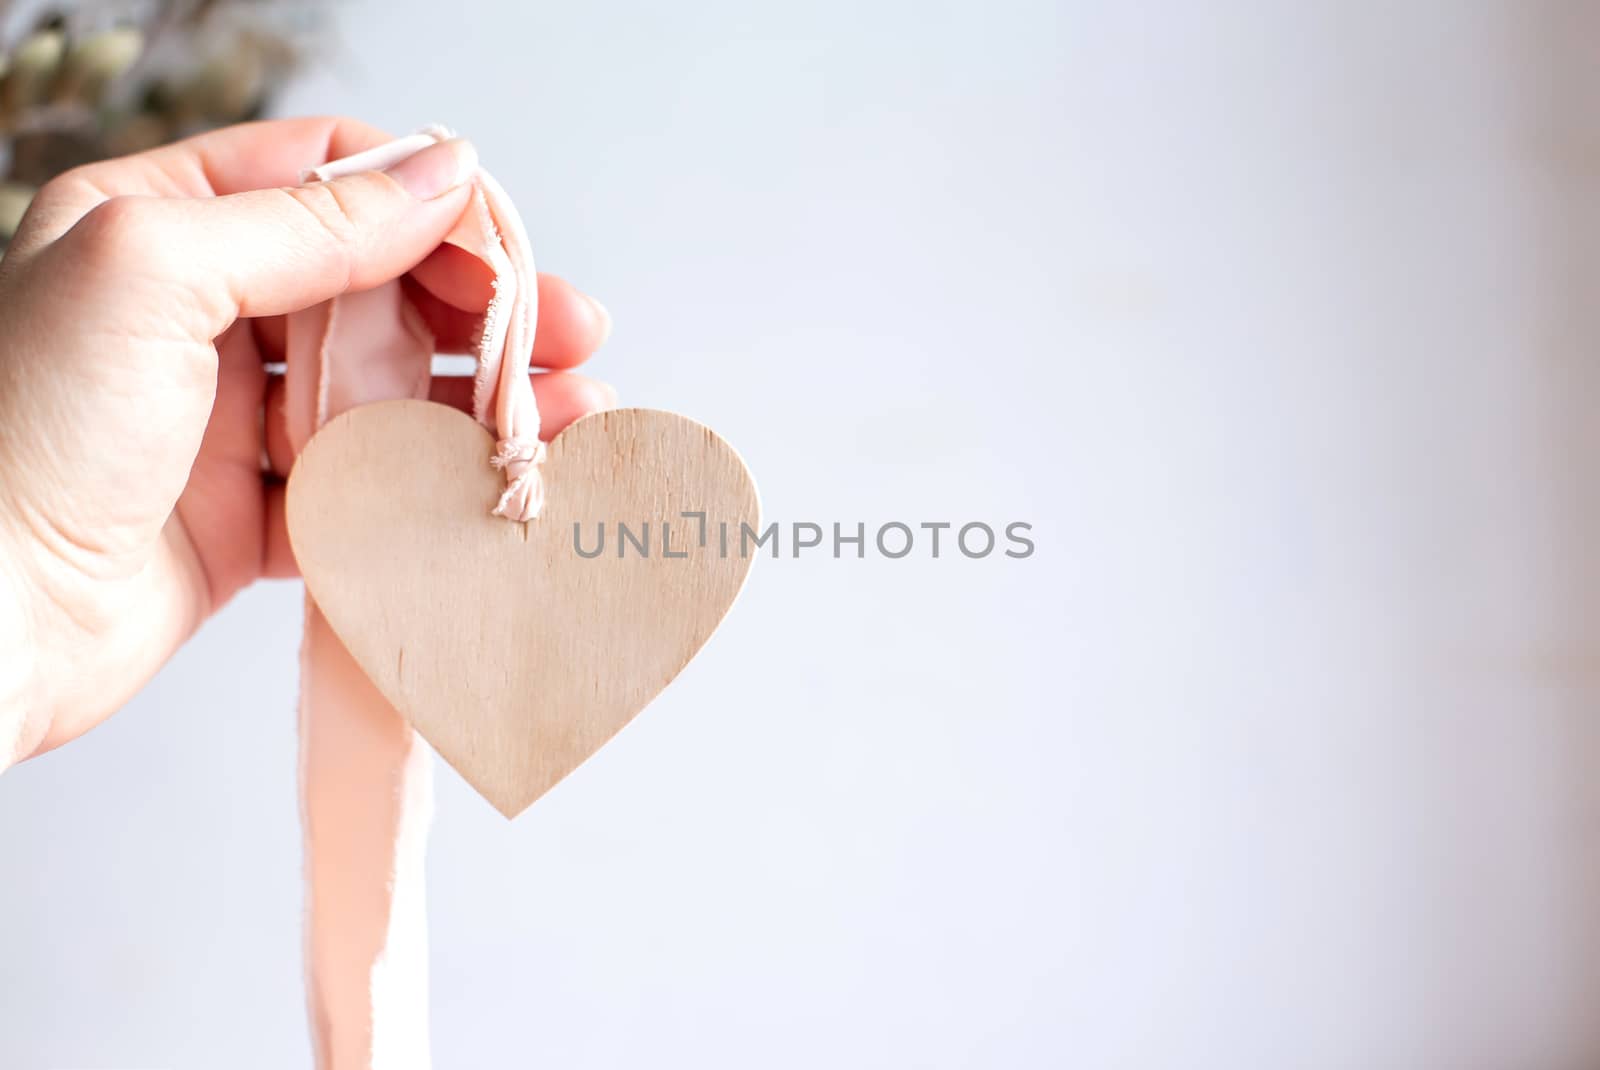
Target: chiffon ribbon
(365,777)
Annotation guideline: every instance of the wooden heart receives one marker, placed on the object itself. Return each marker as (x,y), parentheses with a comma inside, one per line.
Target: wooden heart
(512,653)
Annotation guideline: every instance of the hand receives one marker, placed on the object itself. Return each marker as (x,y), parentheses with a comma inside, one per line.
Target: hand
(138,304)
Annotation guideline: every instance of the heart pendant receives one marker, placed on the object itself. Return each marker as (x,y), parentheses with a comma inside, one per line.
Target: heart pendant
(518,650)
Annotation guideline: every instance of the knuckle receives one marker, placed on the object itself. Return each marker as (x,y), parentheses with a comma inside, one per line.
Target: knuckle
(329,209)
(333,221)
(72,186)
(58,190)
(114,234)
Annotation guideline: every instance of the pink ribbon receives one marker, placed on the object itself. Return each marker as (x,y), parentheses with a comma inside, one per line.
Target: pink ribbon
(365,776)
(502,395)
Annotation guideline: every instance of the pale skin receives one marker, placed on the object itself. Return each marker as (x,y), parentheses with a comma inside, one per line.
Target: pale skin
(139,303)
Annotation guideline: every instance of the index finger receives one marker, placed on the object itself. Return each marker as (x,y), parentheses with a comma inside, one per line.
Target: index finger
(235,159)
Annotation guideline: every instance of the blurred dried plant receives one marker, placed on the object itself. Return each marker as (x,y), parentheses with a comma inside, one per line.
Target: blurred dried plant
(84,82)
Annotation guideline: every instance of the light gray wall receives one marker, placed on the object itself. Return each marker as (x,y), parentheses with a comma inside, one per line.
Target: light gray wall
(1277,320)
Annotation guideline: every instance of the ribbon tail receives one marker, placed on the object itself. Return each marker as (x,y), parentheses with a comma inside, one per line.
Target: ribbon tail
(367,798)
(365,776)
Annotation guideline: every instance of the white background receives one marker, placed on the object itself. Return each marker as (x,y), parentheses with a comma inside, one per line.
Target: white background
(1279,323)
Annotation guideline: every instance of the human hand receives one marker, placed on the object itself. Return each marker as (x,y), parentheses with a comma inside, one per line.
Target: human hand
(139,302)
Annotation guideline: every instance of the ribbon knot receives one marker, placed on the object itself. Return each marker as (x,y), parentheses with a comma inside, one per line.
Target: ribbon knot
(520,459)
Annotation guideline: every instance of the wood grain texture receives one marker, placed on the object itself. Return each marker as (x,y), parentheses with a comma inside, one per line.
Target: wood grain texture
(514,656)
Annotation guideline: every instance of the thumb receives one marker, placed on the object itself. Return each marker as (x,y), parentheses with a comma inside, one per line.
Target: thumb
(274,251)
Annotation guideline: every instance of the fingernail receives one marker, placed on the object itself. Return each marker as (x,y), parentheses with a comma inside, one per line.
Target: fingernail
(610,393)
(605,319)
(437,169)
